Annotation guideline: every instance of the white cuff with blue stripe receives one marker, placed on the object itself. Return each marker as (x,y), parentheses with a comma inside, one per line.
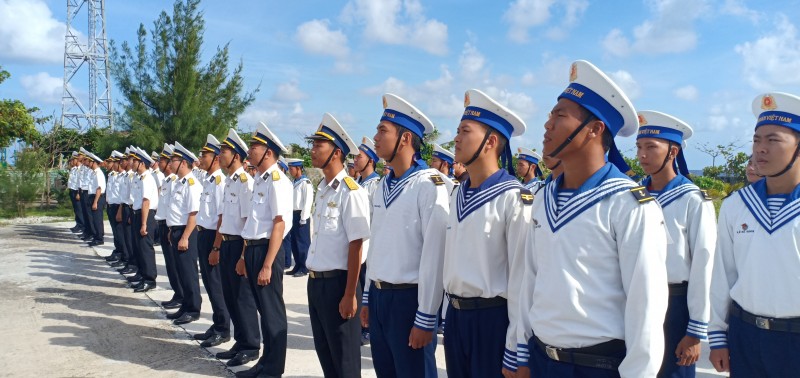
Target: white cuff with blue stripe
(365,298)
(523,354)
(425,321)
(718,339)
(697,329)
(510,360)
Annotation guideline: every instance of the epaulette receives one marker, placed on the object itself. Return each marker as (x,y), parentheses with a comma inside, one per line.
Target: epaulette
(276,176)
(130,175)
(243,177)
(351,184)
(191,181)
(218,179)
(437,180)
(705,195)
(526,196)
(641,194)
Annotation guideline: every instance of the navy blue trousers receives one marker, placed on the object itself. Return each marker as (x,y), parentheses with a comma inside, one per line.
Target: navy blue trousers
(337,341)
(286,245)
(98,227)
(675,324)
(168,250)
(186,262)
(76,208)
(474,342)
(86,209)
(391,316)
(111,211)
(146,255)
(129,236)
(212,281)
(238,299)
(271,308)
(757,352)
(543,367)
(300,241)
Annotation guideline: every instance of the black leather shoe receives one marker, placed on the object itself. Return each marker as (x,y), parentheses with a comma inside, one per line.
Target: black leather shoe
(87,238)
(171,305)
(203,336)
(290,272)
(147,286)
(242,358)
(114,256)
(227,355)
(186,318)
(133,278)
(174,315)
(300,274)
(252,372)
(215,340)
(135,284)
(95,243)
(128,270)
(118,264)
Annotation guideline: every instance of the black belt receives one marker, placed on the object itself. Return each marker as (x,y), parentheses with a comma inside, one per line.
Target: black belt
(326,274)
(771,324)
(248,243)
(678,288)
(177,228)
(226,237)
(592,356)
(161,222)
(201,228)
(137,212)
(477,303)
(390,286)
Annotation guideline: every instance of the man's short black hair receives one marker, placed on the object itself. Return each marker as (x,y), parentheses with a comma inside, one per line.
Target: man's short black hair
(416,141)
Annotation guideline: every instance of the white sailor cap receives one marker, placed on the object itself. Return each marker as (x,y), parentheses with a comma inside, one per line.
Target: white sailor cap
(154,155)
(440,153)
(777,108)
(663,126)
(94,157)
(84,152)
(74,153)
(282,164)
(167,151)
(528,155)
(235,142)
(183,153)
(480,107)
(401,112)
(131,151)
(331,130)
(264,135)
(292,162)
(368,146)
(117,155)
(212,145)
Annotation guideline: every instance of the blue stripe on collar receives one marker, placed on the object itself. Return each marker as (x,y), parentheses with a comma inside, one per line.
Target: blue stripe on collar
(392,187)
(674,189)
(469,200)
(372,176)
(755,199)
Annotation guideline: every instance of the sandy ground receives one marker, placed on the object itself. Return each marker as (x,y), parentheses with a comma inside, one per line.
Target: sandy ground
(65,312)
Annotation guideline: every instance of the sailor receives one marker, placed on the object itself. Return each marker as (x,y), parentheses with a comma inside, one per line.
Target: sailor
(73,183)
(184,203)
(130,265)
(442,160)
(113,202)
(365,163)
(262,259)
(303,199)
(145,201)
(404,276)
(527,168)
(287,242)
(594,291)
(351,169)
(96,199)
(335,257)
(755,308)
(167,249)
(208,242)
(83,195)
(692,226)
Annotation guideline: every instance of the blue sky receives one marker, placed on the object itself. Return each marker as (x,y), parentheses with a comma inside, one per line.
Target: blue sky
(700,60)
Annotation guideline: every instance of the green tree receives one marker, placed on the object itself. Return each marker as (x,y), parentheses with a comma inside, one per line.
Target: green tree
(16,120)
(169,95)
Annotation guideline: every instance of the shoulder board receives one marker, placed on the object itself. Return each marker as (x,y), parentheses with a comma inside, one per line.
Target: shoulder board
(705,194)
(641,194)
(173,178)
(243,177)
(191,181)
(276,176)
(437,180)
(218,179)
(526,196)
(130,174)
(455,182)
(351,184)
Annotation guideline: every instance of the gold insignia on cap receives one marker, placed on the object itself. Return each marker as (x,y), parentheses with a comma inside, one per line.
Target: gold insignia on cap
(385,104)
(573,72)
(466,99)
(642,120)
(768,103)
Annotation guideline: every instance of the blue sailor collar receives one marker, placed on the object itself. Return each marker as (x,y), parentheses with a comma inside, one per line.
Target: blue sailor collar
(674,189)
(392,186)
(469,200)
(603,183)
(372,176)
(531,184)
(300,180)
(754,197)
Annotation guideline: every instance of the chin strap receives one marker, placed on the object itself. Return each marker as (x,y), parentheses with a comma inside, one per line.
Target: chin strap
(666,159)
(567,141)
(791,163)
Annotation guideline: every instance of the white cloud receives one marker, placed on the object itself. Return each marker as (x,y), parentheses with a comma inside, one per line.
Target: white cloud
(316,37)
(627,83)
(398,22)
(288,121)
(528,79)
(43,87)
(671,30)
(29,33)
(737,8)
(471,61)
(774,59)
(688,93)
(523,15)
(289,92)
(730,112)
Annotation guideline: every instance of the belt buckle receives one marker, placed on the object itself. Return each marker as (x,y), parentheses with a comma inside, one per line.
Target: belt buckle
(456,303)
(378,284)
(312,274)
(552,352)
(762,323)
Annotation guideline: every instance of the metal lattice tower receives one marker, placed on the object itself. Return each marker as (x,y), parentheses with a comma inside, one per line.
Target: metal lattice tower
(80,56)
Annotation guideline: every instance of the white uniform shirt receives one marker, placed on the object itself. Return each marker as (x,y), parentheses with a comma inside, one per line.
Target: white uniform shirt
(125,184)
(164,194)
(484,246)
(112,188)
(303,196)
(532,185)
(211,200)
(84,177)
(596,271)
(410,233)
(757,259)
(341,216)
(370,183)
(97,179)
(73,182)
(236,204)
(159,176)
(144,186)
(272,194)
(692,226)
(184,199)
